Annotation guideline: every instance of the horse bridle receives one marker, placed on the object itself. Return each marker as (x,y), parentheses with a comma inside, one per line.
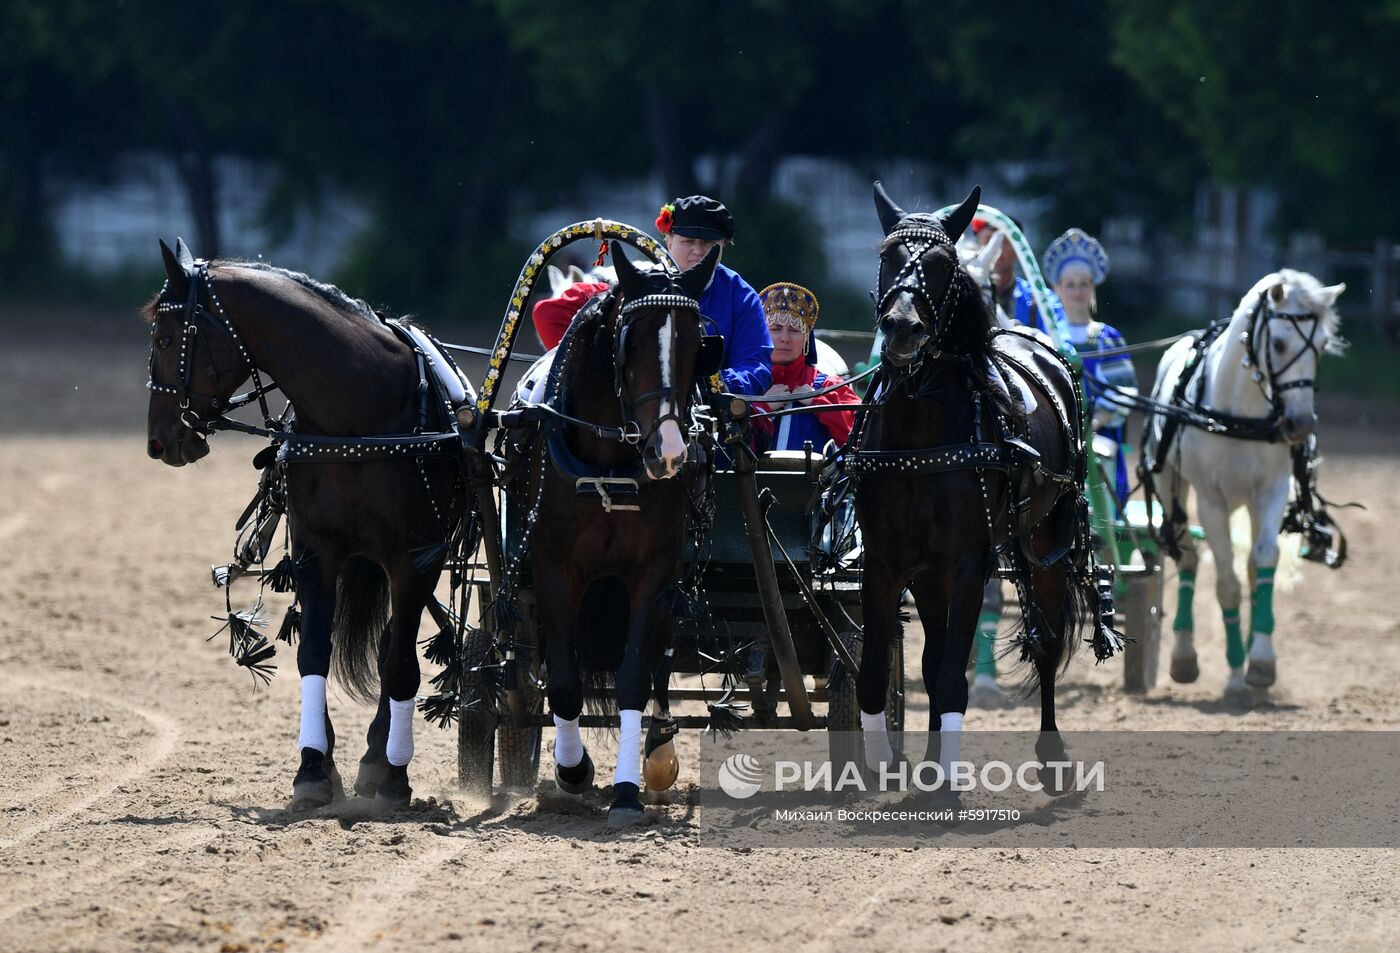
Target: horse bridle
(193,313)
(632,432)
(919,239)
(1259,326)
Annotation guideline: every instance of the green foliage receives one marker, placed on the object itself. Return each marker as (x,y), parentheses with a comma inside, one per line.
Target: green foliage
(439,116)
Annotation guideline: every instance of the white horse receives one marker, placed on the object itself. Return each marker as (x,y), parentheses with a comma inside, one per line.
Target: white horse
(1256,377)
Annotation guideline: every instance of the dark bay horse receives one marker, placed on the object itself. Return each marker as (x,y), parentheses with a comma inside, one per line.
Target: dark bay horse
(601,575)
(356,515)
(972,452)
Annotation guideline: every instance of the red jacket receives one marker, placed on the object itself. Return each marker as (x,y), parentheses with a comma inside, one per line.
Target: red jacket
(836,423)
(552,315)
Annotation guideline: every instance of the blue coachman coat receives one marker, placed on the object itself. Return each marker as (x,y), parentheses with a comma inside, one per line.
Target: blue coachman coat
(733,307)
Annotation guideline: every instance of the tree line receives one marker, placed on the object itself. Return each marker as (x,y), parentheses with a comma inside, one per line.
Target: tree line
(439,115)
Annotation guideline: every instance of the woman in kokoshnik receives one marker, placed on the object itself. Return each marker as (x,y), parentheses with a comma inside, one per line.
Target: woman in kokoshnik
(1075,264)
(791,313)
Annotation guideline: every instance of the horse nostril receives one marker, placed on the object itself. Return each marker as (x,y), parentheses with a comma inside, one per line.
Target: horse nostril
(154,448)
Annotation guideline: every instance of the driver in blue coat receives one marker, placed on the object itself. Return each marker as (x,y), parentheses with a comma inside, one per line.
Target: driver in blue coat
(691,226)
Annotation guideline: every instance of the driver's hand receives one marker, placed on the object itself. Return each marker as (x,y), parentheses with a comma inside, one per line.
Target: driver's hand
(803,394)
(777,390)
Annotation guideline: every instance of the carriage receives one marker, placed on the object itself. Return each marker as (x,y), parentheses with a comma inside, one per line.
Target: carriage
(771,636)
(773,582)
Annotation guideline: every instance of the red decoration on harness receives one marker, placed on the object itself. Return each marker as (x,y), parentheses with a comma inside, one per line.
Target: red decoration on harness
(663,221)
(602,254)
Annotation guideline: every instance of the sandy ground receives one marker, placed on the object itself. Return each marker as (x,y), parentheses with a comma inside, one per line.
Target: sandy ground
(141,805)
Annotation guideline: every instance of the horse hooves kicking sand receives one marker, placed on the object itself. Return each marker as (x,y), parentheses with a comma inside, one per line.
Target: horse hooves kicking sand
(394,793)
(576,779)
(317,783)
(1185,669)
(627,807)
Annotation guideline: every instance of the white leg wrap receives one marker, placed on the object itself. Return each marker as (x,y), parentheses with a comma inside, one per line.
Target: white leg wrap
(1263,648)
(629,749)
(568,745)
(877,740)
(949,739)
(400,745)
(313,714)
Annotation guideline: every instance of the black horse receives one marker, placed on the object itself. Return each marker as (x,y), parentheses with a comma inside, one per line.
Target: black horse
(357,512)
(606,508)
(973,451)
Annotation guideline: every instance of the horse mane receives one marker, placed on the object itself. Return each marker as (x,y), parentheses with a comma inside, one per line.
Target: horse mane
(328,293)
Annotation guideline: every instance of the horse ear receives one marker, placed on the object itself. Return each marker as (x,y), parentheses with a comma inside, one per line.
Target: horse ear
(889,213)
(1276,294)
(957,220)
(1333,292)
(697,278)
(557,281)
(576,274)
(175,273)
(627,274)
(183,256)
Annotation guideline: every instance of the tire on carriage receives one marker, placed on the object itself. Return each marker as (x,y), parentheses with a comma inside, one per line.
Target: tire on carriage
(768,601)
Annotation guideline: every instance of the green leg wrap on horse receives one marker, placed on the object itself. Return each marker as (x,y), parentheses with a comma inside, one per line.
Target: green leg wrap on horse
(1234,641)
(986,643)
(1185,620)
(1261,603)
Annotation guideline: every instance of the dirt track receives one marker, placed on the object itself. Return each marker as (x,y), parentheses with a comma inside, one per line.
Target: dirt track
(144,781)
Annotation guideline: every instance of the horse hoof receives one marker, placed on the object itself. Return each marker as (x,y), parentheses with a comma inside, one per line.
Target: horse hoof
(986,693)
(1237,692)
(577,779)
(1185,670)
(627,807)
(1261,673)
(370,775)
(312,787)
(394,793)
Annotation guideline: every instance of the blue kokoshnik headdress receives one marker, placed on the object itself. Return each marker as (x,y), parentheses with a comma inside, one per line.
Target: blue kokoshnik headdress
(1076,247)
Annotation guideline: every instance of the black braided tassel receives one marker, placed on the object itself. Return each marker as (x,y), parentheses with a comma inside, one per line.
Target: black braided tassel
(255,654)
(291,625)
(240,626)
(282,577)
(726,717)
(441,648)
(441,709)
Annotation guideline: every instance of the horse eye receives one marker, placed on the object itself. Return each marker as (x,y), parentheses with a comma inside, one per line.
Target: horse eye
(163,343)
(1280,347)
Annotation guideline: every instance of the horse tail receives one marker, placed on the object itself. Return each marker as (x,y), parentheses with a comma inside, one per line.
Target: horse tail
(602,640)
(361,614)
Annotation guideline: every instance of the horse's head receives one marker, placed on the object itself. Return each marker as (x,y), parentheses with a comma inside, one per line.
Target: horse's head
(656,338)
(921,279)
(196,364)
(1293,321)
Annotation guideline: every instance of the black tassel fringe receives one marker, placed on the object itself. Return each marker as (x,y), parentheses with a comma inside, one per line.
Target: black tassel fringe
(291,625)
(441,709)
(255,655)
(726,717)
(441,648)
(282,577)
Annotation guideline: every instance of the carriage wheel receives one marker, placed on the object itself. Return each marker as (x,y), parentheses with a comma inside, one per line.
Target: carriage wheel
(520,747)
(1141,605)
(843,709)
(476,728)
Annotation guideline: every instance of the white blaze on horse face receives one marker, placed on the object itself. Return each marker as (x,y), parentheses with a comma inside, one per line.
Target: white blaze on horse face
(672,444)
